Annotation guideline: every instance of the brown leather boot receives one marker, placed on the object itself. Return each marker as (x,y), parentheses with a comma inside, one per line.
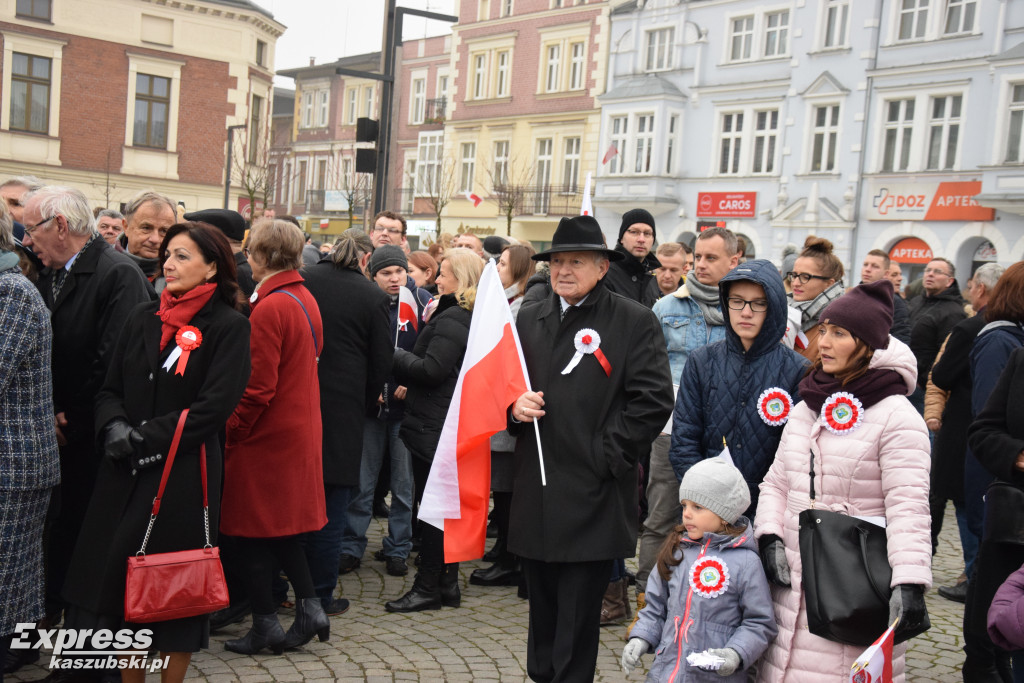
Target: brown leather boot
(614,607)
(641,602)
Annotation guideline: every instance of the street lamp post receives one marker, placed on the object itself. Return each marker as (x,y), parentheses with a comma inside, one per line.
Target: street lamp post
(227,164)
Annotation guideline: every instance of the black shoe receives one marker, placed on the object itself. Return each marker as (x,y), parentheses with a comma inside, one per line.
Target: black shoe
(380,508)
(335,606)
(631,577)
(266,631)
(16,659)
(380,556)
(451,594)
(232,614)
(348,563)
(423,595)
(310,620)
(956,593)
(61,676)
(396,566)
(495,575)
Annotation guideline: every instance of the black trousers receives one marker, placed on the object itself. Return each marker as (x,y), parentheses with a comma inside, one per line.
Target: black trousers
(984,661)
(565,618)
(262,557)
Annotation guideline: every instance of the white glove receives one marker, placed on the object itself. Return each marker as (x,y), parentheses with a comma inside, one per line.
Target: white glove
(731,663)
(635,648)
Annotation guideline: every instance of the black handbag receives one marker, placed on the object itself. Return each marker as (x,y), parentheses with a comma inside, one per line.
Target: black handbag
(846,577)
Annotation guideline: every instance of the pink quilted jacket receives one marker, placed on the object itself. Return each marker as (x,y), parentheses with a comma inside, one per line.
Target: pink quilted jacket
(880,469)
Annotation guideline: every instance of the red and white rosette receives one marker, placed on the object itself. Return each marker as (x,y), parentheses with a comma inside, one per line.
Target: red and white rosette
(588,342)
(709,576)
(774,405)
(188,339)
(842,413)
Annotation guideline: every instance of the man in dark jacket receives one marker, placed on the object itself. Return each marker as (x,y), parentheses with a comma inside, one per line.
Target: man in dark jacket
(632,276)
(933,314)
(232,225)
(148,216)
(876,265)
(597,420)
(90,289)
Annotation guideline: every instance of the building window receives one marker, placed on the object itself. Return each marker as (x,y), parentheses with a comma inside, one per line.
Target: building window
(620,132)
(321,174)
(479,77)
(913,19)
(670,144)
(500,162)
(659,49)
(353,106)
(419,100)
(644,143)
(261,53)
(501,79)
(428,163)
(543,170)
(325,98)
(368,96)
(307,109)
(571,168)
(300,183)
(899,127)
(468,167)
(776,34)
(506,8)
(483,10)
(730,145)
(826,136)
(1013,145)
(255,130)
(551,82)
(442,86)
(33,9)
(30,94)
(576,66)
(960,16)
(837,16)
(742,38)
(944,132)
(766,131)
(152,101)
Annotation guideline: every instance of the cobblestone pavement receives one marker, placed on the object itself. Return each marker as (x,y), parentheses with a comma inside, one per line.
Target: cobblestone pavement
(485,639)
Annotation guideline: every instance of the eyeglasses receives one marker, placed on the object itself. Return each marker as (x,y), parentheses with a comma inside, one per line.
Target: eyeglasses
(936,271)
(804,278)
(246,252)
(632,232)
(29,229)
(391,231)
(738,304)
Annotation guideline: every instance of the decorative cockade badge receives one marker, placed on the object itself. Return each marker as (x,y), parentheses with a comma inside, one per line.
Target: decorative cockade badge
(842,413)
(588,342)
(773,405)
(709,576)
(188,339)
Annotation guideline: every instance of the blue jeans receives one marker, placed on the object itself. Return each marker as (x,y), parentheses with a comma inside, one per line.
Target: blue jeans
(968,541)
(323,548)
(380,437)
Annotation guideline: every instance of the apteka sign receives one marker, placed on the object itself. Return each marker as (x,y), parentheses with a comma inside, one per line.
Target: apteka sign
(939,201)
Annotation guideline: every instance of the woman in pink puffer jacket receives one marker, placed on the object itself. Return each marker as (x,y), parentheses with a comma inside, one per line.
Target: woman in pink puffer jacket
(875,465)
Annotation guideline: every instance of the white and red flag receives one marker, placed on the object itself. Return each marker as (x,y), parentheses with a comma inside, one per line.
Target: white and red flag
(612,151)
(492,377)
(875,663)
(474,197)
(586,207)
(408,311)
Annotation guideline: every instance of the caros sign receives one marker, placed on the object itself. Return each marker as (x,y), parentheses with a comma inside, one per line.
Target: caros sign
(727,204)
(927,202)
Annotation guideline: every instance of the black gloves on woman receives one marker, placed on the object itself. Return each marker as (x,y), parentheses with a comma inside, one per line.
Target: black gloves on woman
(120,440)
(907,603)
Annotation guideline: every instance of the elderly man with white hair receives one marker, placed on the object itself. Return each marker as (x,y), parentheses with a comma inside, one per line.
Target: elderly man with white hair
(89,288)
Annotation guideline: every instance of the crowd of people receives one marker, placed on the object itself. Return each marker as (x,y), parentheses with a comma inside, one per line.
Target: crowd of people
(690,404)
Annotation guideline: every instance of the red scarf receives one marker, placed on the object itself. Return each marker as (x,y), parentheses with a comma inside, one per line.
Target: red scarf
(176,312)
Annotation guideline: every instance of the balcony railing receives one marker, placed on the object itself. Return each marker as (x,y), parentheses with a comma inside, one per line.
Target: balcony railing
(435,111)
(539,200)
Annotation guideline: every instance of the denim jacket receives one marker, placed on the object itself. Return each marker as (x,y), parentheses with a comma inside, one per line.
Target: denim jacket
(684,328)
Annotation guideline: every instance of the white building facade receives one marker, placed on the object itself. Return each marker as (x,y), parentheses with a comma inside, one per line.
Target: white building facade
(894,125)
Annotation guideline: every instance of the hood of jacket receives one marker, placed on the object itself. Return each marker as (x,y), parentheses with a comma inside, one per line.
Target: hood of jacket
(897,356)
(718,541)
(764,273)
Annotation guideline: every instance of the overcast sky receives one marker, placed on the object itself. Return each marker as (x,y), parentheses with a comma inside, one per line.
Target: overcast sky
(329,29)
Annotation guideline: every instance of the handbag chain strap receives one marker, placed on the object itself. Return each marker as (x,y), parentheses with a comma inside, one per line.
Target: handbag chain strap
(163,484)
(812,478)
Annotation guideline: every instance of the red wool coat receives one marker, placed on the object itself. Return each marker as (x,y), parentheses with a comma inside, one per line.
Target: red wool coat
(273,468)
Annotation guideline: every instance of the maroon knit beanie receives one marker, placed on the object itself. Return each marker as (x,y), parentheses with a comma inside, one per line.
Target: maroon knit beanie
(865,311)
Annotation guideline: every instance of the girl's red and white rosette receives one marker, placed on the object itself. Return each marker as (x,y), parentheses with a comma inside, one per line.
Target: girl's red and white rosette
(188,339)
(774,405)
(709,576)
(588,342)
(842,413)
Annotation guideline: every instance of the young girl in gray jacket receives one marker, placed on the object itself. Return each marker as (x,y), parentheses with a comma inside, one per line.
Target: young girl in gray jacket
(709,610)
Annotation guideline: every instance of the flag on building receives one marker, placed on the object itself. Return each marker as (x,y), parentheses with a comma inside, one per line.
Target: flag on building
(473,197)
(586,208)
(875,663)
(612,151)
(492,377)
(325,223)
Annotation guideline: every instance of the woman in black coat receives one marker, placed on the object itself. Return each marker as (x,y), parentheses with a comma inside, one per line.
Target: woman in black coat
(146,388)
(430,373)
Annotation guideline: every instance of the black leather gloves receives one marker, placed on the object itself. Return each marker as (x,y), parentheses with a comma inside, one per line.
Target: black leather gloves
(120,440)
(907,603)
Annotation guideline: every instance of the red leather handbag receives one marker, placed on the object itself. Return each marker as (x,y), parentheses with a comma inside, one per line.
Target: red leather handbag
(180,584)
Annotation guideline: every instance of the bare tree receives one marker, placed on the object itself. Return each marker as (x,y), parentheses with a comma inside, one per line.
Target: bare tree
(438,184)
(356,188)
(251,167)
(107,187)
(510,181)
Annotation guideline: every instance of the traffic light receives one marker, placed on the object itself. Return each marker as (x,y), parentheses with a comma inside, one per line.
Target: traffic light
(367,130)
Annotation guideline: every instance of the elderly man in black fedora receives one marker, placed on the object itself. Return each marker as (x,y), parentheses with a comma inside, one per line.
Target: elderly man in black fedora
(602,392)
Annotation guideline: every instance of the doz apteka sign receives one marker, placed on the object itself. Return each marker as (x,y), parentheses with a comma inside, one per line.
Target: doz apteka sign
(942,201)
(727,204)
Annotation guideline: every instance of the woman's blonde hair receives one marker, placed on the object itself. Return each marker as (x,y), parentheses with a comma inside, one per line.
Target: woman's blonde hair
(466,268)
(278,244)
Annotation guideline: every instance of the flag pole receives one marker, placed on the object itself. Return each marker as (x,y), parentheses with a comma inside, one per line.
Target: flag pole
(540,454)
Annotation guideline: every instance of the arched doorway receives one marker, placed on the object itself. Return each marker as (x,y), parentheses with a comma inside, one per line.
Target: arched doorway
(913,254)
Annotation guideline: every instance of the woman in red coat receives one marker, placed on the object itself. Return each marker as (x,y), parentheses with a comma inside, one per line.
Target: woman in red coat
(273,472)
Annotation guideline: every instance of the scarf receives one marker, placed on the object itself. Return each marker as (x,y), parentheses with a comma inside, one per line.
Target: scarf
(810,310)
(512,292)
(707,299)
(8,259)
(176,312)
(871,388)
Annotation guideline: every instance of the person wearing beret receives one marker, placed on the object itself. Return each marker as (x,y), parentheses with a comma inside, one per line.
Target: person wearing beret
(601,394)
(632,276)
(232,225)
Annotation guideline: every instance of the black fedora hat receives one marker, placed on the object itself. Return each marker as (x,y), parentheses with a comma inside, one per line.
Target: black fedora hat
(230,222)
(581,233)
